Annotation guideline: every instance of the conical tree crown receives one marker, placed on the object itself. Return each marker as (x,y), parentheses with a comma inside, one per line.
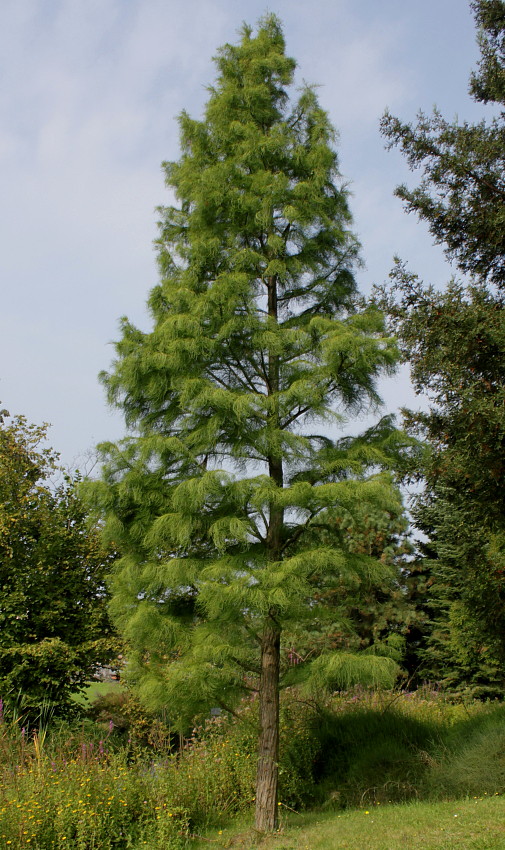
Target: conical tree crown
(228,506)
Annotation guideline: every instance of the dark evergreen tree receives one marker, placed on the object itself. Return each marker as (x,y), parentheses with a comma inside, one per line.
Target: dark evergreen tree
(462,193)
(229,505)
(464,648)
(455,342)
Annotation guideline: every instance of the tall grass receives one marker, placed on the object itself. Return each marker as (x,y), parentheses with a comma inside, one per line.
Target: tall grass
(75,789)
(471,760)
(375,749)
(86,786)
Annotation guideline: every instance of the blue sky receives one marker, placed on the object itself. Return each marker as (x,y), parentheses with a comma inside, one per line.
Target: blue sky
(89,95)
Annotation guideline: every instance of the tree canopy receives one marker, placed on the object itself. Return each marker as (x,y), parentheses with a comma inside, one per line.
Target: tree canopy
(232,501)
(455,342)
(54,627)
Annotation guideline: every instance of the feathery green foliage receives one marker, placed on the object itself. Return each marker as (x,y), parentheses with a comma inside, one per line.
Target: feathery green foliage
(231,500)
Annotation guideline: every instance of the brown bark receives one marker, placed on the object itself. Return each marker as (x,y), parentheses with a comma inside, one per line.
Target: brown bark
(268,748)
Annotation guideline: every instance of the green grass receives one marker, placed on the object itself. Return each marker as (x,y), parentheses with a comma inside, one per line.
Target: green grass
(94,690)
(366,773)
(476,824)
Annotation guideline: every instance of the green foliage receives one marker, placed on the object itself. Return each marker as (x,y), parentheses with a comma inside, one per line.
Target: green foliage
(455,343)
(465,649)
(80,785)
(230,501)
(256,335)
(54,628)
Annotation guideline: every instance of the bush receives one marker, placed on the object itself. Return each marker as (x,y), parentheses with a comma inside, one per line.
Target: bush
(72,790)
(122,711)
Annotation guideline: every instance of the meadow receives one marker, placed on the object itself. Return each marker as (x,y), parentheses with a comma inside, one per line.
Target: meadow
(375,770)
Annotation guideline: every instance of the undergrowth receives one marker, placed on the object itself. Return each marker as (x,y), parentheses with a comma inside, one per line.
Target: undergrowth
(124,779)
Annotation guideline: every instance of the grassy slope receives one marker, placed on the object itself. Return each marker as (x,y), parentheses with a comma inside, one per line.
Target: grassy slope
(477,824)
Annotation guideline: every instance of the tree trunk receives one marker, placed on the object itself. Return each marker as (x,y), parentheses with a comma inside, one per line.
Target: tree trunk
(268,748)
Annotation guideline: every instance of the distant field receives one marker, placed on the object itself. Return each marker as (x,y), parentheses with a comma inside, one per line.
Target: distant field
(96,689)
(477,824)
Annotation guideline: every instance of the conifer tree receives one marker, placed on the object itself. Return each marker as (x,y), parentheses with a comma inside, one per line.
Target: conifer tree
(455,342)
(230,506)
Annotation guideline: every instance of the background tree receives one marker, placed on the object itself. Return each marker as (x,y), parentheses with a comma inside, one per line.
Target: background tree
(455,342)
(229,508)
(54,628)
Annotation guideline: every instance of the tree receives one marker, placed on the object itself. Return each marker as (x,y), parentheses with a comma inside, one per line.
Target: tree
(229,509)
(54,627)
(462,193)
(455,342)
(464,648)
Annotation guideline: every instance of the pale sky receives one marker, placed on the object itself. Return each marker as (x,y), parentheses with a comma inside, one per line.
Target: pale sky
(90,91)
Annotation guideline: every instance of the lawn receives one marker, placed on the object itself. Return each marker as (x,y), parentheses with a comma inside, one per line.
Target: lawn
(94,690)
(475,824)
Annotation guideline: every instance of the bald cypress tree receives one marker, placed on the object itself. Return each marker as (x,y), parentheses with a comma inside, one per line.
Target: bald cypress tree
(231,506)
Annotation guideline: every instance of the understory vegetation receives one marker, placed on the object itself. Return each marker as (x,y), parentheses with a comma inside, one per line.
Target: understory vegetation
(120,778)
